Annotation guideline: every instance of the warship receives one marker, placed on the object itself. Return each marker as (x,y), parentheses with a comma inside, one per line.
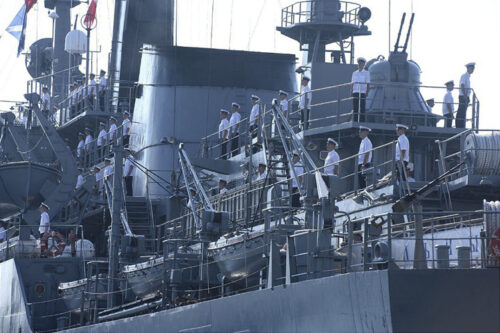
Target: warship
(249,233)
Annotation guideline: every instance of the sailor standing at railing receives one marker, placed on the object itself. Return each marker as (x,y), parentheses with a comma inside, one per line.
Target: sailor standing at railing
(464,95)
(331,167)
(79,96)
(254,115)
(108,169)
(402,150)
(192,205)
(448,104)
(112,130)
(81,146)
(364,155)
(79,179)
(44,219)
(261,172)
(99,182)
(3,233)
(299,170)
(45,101)
(305,102)
(92,90)
(222,186)
(102,139)
(284,103)
(102,88)
(129,171)
(126,125)
(359,90)
(88,139)
(223,133)
(71,103)
(234,125)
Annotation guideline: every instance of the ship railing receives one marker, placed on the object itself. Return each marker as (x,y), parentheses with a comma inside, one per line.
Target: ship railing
(480,161)
(59,237)
(377,242)
(305,12)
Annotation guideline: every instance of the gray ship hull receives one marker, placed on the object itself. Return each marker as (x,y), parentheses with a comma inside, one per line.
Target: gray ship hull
(376,301)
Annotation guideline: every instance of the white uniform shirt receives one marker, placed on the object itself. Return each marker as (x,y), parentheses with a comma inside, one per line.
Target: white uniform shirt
(44,221)
(126,124)
(99,181)
(284,105)
(306,94)
(79,149)
(364,146)
(3,234)
(92,88)
(108,171)
(235,119)
(224,126)
(129,166)
(112,132)
(360,81)
(72,97)
(102,135)
(79,181)
(299,170)
(331,161)
(448,99)
(223,190)
(79,93)
(46,98)
(102,83)
(403,144)
(88,140)
(262,176)
(254,114)
(465,80)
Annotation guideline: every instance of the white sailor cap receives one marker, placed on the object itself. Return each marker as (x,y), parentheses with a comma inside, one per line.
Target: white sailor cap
(282,92)
(88,129)
(126,112)
(102,124)
(262,164)
(255,97)
(410,166)
(96,167)
(222,180)
(330,140)
(295,153)
(305,77)
(127,149)
(364,128)
(80,169)
(235,104)
(45,205)
(470,64)
(449,82)
(224,111)
(107,159)
(81,134)
(401,126)
(112,118)
(361,59)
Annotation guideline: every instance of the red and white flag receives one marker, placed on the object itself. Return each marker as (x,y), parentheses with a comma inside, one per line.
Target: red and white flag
(29,4)
(90,16)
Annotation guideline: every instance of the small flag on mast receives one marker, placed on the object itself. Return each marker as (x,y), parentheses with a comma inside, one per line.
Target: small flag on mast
(90,16)
(17,27)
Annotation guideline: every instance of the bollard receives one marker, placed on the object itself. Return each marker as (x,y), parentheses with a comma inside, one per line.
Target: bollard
(464,256)
(443,256)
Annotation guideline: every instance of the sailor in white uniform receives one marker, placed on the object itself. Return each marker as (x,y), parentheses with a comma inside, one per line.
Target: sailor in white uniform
(112,130)
(129,171)
(190,204)
(44,219)
(102,88)
(254,115)
(45,101)
(79,179)
(108,169)
(448,104)
(99,181)
(402,149)
(331,167)
(261,172)
(89,146)
(364,154)
(223,133)
(222,186)
(299,171)
(91,90)
(102,139)
(359,90)
(410,170)
(3,233)
(464,95)
(234,125)
(126,126)
(283,102)
(80,149)
(305,102)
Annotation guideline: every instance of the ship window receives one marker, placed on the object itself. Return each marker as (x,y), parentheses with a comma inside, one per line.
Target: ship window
(40,289)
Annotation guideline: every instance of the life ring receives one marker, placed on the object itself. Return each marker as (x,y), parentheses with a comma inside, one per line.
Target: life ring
(52,244)
(495,245)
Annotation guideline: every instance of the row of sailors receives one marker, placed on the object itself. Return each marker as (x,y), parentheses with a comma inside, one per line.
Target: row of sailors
(81,89)
(229,126)
(402,153)
(104,136)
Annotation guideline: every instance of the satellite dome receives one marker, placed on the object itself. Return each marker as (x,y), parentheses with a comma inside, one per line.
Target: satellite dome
(75,42)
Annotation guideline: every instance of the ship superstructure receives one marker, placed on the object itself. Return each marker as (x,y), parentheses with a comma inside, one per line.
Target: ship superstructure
(257,237)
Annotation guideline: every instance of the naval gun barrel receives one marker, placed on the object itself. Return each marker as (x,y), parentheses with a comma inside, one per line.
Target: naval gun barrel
(399,33)
(409,32)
